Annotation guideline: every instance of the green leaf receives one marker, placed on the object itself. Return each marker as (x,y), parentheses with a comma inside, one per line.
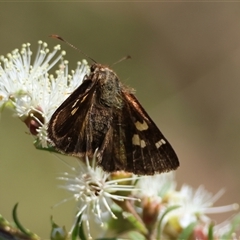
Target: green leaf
(108,238)
(16,221)
(185,234)
(169,209)
(81,233)
(210,232)
(78,230)
(25,231)
(125,222)
(3,222)
(135,223)
(131,236)
(135,236)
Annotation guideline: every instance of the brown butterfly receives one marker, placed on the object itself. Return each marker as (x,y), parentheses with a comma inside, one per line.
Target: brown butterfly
(104,114)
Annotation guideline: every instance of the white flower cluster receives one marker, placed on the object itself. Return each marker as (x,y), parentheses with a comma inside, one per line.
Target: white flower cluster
(27,87)
(192,206)
(96,193)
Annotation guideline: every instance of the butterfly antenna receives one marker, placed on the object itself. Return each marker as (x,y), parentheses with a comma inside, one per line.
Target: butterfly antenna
(122,59)
(69,44)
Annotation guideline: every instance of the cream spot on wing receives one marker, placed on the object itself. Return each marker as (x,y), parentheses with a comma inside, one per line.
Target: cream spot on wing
(163,141)
(141,126)
(137,141)
(142,144)
(160,143)
(74,110)
(84,98)
(75,103)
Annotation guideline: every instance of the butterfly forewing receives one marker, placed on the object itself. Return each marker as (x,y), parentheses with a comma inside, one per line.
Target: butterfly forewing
(154,151)
(103,114)
(68,125)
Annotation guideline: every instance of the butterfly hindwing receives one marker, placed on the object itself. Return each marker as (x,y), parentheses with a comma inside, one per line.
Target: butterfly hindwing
(137,144)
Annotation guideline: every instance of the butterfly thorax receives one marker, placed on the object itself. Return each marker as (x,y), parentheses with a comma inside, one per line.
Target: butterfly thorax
(109,87)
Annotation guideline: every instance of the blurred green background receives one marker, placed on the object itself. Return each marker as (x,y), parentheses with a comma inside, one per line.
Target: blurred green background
(185,67)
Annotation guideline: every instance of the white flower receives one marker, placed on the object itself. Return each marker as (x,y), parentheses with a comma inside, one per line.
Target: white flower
(158,185)
(31,91)
(194,206)
(95,192)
